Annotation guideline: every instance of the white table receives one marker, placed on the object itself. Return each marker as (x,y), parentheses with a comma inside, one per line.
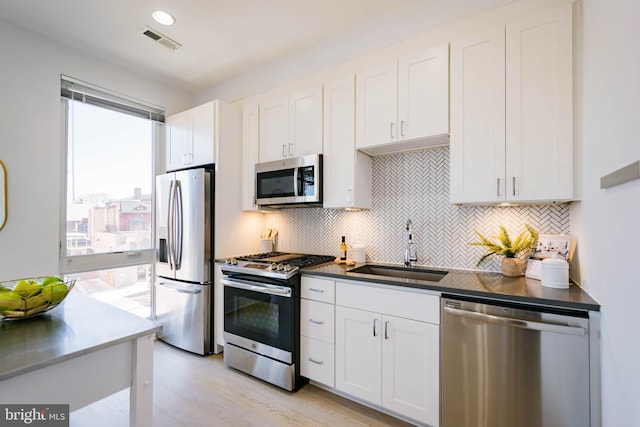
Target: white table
(78,353)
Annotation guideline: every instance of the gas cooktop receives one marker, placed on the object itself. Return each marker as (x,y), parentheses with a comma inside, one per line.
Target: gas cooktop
(280,265)
(292,259)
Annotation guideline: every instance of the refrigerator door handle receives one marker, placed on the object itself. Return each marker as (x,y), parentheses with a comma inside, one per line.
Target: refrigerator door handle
(180,289)
(179,225)
(170,237)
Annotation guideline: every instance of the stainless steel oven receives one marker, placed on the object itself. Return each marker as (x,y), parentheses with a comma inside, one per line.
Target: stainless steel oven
(289,182)
(262,315)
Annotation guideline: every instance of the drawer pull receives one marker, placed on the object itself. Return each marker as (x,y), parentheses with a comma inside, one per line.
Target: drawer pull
(316,290)
(312,360)
(317,322)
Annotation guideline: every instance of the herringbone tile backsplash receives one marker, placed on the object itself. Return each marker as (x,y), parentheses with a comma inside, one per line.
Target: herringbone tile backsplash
(414,186)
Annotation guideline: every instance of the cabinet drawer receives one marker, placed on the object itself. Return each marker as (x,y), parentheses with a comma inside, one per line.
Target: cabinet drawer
(317,320)
(409,305)
(317,289)
(317,361)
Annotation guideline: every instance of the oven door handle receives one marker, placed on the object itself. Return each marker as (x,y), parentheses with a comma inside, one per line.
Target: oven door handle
(261,288)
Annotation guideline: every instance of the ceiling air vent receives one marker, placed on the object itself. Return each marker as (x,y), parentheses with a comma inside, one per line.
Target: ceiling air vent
(160,38)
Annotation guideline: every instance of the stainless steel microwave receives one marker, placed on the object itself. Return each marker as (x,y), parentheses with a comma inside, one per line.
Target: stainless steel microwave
(293,182)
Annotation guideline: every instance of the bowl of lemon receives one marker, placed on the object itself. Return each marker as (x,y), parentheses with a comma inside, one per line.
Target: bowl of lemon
(20,299)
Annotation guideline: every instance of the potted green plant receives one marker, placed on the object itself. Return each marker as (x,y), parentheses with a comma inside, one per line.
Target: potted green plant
(513,251)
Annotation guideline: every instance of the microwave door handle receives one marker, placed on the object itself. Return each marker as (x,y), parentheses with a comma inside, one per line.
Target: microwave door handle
(295,181)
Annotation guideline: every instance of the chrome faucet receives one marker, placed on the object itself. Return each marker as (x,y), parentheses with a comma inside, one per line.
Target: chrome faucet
(410,254)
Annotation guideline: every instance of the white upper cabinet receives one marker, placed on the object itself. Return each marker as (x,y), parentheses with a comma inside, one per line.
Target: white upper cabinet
(404,105)
(347,172)
(539,99)
(511,112)
(377,106)
(190,139)
(477,146)
(250,146)
(423,94)
(291,126)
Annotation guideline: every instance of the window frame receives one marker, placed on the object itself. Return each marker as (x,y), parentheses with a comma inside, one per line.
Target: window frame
(69,264)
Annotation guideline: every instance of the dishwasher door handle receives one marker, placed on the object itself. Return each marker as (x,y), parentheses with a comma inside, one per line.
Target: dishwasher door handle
(516,323)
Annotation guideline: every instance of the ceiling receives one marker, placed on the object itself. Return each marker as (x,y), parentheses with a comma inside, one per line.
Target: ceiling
(222,38)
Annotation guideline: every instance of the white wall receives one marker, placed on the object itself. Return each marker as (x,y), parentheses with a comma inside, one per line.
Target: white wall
(30,143)
(607,222)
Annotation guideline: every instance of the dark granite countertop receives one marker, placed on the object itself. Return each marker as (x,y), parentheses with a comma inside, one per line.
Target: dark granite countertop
(78,326)
(486,285)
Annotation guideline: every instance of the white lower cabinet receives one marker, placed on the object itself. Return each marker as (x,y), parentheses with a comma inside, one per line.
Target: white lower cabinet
(385,358)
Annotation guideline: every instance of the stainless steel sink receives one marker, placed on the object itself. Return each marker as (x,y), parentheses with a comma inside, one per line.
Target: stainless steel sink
(401,272)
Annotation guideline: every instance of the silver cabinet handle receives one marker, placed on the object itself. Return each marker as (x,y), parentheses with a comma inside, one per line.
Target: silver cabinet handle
(317,322)
(290,150)
(391,129)
(316,290)
(514,185)
(284,147)
(317,362)
(498,187)
(375,322)
(401,127)
(386,330)
(516,323)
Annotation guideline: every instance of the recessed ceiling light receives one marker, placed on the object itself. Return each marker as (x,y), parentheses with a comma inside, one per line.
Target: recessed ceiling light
(163,18)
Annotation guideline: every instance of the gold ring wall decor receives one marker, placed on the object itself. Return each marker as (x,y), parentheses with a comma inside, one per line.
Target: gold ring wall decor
(3,195)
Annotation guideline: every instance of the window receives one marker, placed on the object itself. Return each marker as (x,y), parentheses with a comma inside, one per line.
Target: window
(107,235)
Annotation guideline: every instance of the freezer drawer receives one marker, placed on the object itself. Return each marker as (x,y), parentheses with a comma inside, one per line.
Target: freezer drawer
(503,366)
(185,311)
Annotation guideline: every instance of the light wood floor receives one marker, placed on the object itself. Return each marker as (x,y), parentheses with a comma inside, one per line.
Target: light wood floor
(196,391)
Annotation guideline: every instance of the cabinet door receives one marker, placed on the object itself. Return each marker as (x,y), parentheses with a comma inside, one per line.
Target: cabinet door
(539,98)
(179,145)
(203,134)
(305,122)
(359,353)
(347,172)
(274,129)
(411,368)
(477,145)
(423,94)
(377,106)
(250,146)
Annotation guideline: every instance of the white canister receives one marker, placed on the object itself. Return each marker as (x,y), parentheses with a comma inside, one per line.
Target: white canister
(266,245)
(555,273)
(359,253)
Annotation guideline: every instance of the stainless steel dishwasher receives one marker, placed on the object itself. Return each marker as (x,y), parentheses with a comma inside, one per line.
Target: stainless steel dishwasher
(510,365)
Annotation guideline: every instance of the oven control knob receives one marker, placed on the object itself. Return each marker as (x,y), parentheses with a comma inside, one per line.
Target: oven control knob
(286,267)
(273,267)
(232,261)
(280,267)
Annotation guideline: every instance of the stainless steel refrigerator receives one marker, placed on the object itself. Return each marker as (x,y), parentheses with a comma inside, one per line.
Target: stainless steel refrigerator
(183,285)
